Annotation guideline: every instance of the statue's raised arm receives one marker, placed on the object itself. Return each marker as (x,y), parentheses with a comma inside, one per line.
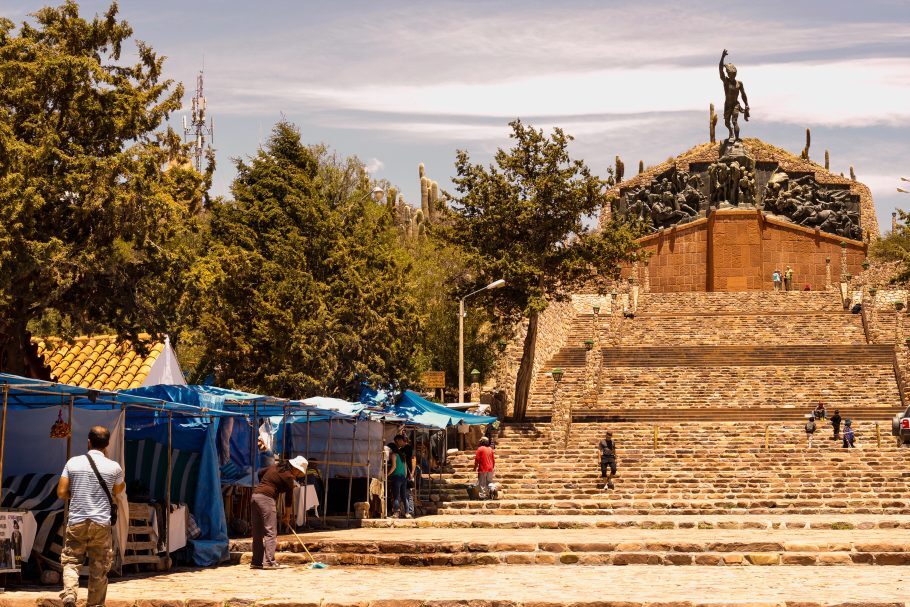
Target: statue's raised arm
(720,66)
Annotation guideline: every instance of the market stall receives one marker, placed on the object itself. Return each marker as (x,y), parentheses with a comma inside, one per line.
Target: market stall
(45,423)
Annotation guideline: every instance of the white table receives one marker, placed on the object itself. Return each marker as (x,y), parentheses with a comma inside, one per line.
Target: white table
(311,501)
(176,527)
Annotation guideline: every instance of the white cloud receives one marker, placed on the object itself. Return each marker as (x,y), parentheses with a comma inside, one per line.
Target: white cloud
(374,165)
(848,93)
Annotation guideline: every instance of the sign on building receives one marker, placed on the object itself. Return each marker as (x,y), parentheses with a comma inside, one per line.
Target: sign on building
(433,379)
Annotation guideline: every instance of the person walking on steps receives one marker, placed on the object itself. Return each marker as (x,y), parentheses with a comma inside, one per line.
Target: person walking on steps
(849,435)
(274,480)
(484,463)
(835,424)
(90,483)
(810,430)
(607,450)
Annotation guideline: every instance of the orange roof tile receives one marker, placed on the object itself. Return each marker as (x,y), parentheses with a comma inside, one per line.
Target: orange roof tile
(100,362)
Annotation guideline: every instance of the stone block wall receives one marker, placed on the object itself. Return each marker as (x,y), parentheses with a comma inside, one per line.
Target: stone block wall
(553,330)
(737,250)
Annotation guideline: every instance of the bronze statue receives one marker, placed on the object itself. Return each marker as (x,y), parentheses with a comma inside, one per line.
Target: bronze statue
(733,88)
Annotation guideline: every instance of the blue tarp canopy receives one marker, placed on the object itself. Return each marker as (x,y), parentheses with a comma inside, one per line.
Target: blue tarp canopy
(416,409)
(221,399)
(203,438)
(23,393)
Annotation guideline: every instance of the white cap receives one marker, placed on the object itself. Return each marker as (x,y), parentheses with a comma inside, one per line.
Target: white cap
(299,462)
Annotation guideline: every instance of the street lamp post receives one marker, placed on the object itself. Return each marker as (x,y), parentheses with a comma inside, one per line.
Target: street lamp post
(496,284)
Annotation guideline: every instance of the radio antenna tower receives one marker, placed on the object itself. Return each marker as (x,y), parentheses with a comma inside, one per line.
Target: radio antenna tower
(201,134)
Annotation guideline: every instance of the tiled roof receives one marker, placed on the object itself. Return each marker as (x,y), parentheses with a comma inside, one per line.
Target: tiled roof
(101,362)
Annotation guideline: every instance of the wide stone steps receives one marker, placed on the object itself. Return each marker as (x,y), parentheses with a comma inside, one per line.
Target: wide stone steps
(605,506)
(750,301)
(749,355)
(597,546)
(729,329)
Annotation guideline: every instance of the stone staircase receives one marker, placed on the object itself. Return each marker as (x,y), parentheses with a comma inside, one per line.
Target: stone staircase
(696,468)
(720,356)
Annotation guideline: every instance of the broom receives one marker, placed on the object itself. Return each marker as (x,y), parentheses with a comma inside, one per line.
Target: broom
(314,564)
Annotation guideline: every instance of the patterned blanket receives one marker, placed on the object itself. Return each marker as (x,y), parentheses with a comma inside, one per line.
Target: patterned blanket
(38,494)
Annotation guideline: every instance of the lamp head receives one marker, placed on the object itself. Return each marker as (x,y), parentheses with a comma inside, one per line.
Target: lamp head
(377,194)
(496,284)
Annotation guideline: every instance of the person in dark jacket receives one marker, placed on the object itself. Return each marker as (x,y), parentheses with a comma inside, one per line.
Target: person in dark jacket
(835,424)
(275,480)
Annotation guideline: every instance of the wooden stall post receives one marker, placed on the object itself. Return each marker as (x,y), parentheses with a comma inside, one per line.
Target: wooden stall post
(69,439)
(351,472)
(325,482)
(3,436)
(167,493)
(369,461)
(254,445)
(307,450)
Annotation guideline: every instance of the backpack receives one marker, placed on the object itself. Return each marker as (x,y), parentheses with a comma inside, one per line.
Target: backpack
(810,426)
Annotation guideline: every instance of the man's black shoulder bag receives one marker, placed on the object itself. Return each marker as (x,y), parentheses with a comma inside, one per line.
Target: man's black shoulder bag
(107,491)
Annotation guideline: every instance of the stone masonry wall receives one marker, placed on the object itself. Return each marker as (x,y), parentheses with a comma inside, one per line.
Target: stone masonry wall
(737,250)
(552,332)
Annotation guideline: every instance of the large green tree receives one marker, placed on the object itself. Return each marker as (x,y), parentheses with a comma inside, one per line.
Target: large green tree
(442,275)
(895,246)
(93,224)
(522,219)
(305,287)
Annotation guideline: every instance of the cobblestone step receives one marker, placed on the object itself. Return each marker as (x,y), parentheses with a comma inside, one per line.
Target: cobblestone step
(595,546)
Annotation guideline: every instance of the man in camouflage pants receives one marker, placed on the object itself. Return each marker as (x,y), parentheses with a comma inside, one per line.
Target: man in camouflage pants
(88,528)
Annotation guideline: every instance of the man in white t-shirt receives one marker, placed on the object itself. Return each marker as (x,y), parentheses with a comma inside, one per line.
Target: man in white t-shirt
(88,527)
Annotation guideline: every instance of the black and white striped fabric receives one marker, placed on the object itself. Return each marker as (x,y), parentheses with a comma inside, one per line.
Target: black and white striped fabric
(37,493)
(147,466)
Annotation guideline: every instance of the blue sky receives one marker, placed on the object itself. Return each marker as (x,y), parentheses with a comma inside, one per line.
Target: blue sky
(400,83)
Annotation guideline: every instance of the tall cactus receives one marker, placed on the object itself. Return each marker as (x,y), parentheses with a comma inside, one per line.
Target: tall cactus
(433,207)
(620,169)
(805,153)
(712,123)
(852,174)
(421,170)
(391,199)
(641,167)
(425,195)
(827,161)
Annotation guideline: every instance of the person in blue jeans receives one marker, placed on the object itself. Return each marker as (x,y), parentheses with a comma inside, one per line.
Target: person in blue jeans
(406,452)
(398,481)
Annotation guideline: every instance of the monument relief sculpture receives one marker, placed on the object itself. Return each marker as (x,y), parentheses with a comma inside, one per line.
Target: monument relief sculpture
(678,196)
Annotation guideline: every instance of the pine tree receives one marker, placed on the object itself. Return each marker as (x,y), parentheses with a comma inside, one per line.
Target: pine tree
(521,219)
(94,225)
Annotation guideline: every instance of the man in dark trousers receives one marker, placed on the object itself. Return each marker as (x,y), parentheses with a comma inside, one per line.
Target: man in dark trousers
(274,480)
(607,450)
(835,424)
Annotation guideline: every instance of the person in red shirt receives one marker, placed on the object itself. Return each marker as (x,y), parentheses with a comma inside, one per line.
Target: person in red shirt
(484,462)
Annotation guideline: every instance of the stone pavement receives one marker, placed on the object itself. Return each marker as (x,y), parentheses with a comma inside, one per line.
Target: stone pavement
(504,586)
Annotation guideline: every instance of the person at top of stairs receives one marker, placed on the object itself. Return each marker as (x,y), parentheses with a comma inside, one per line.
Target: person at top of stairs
(607,450)
(484,463)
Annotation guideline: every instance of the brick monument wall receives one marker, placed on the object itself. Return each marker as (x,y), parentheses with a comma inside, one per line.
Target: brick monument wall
(737,250)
